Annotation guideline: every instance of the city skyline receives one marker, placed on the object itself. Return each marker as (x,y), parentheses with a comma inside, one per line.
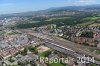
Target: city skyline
(16,6)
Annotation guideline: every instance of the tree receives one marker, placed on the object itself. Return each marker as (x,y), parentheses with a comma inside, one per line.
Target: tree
(87,34)
(32,49)
(24,52)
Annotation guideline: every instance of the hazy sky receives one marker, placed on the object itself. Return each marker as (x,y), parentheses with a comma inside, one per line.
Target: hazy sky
(14,6)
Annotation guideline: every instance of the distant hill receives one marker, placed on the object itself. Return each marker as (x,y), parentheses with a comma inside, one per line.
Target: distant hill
(79,8)
(88,8)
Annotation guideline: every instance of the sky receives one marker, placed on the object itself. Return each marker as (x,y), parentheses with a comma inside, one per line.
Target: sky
(16,6)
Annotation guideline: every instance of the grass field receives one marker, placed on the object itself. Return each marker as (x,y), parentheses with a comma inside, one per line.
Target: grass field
(95,24)
(85,24)
(56,64)
(60,18)
(90,21)
(91,18)
(45,54)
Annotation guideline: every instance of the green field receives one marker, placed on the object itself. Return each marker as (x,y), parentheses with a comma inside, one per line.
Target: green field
(45,54)
(91,18)
(85,24)
(56,64)
(89,21)
(60,18)
(95,24)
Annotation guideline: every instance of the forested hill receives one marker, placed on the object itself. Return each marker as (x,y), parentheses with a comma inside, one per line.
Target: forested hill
(88,8)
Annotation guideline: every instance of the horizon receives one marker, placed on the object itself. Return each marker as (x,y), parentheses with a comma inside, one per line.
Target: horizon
(19,6)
